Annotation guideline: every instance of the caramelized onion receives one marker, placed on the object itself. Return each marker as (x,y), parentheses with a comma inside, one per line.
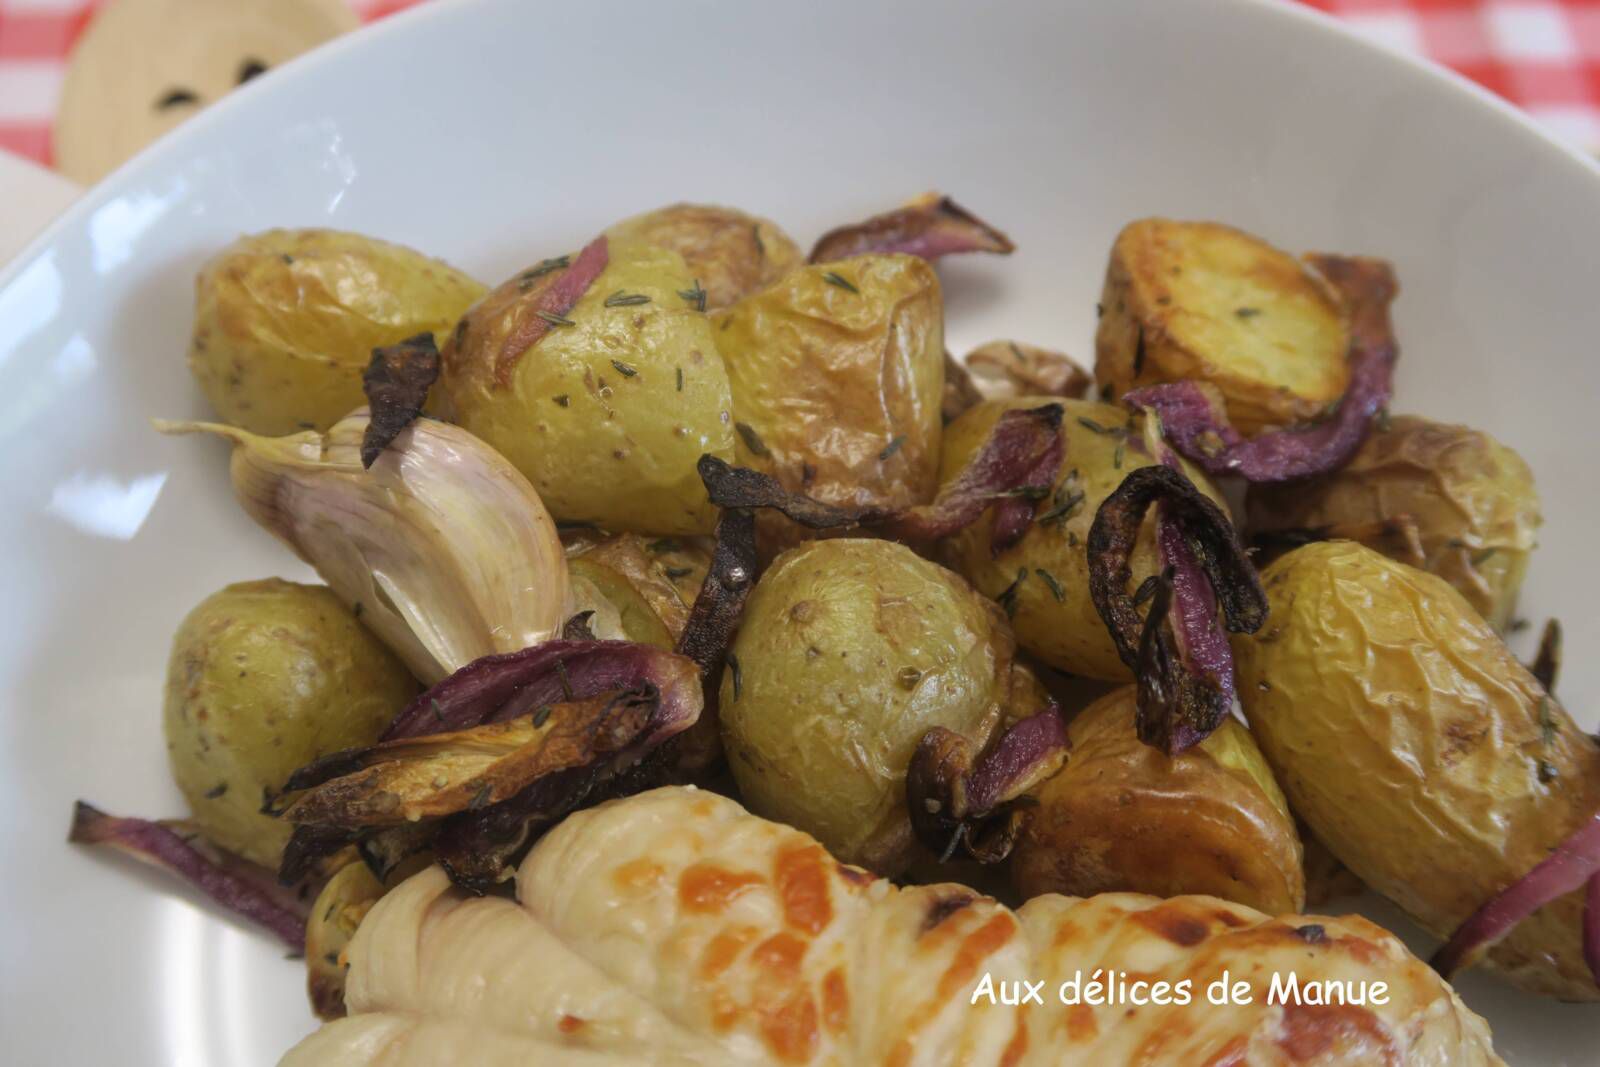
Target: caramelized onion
(1181,660)
(396,383)
(929,226)
(957,800)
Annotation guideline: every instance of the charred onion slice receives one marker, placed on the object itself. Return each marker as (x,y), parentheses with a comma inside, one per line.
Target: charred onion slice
(1193,416)
(1573,863)
(500,687)
(396,383)
(399,782)
(705,640)
(235,883)
(555,293)
(1182,662)
(489,732)
(929,226)
(477,848)
(957,801)
(1015,467)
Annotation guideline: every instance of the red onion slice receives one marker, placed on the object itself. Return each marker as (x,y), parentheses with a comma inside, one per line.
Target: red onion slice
(233,882)
(930,226)
(558,292)
(1181,660)
(1193,416)
(1591,927)
(1015,465)
(1572,863)
(499,687)
(958,800)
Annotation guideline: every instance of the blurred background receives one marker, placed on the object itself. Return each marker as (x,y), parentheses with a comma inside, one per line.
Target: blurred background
(85,83)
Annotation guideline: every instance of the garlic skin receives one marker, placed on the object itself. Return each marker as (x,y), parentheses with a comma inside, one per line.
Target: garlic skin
(443,548)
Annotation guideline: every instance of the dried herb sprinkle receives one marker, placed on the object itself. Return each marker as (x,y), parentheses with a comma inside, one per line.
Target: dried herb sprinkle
(837,279)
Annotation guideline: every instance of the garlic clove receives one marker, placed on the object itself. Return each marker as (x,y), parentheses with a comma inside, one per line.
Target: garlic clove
(442,548)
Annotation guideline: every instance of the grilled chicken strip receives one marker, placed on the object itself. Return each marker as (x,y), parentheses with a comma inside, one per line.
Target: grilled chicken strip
(673,928)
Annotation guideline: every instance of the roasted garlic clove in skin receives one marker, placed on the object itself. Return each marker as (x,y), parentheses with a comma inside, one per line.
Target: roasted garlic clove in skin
(442,547)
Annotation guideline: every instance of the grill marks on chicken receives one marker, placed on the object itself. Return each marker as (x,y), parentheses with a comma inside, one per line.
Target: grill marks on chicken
(674,928)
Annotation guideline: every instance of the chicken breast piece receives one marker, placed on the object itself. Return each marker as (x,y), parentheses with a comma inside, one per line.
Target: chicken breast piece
(675,928)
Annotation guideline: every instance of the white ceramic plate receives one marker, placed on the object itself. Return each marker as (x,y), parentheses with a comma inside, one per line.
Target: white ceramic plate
(496,132)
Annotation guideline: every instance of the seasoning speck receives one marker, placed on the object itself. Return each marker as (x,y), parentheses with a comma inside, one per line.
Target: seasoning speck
(1050,580)
(696,296)
(752,440)
(892,447)
(622,299)
(623,368)
(837,279)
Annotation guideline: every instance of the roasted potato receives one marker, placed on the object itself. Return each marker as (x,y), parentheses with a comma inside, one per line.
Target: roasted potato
(650,583)
(606,416)
(729,253)
(335,915)
(1413,743)
(1453,501)
(1205,301)
(264,678)
(849,651)
(1124,817)
(285,322)
(838,379)
(1044,578)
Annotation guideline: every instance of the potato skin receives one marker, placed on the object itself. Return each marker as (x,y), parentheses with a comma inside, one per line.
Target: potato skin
(651,583)
(1124,817)
(264,677)
(849,651)
(1471,498)
(1067,633)
(730,253)
(601,445)
(1410,741)
(1202,300)
(285,322)
(841,391)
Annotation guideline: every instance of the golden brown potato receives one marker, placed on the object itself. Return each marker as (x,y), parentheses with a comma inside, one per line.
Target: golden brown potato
(838,377)
(849,651)
(730,253)
(1051,612)
(1205,301)
(607,412)
(1122,817)
(1469,499)
(1413,743)
(651,583)
(264,678)
(285,322)
(335,915)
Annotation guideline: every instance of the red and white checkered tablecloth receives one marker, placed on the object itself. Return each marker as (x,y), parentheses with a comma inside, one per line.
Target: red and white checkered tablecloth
(1543,55)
